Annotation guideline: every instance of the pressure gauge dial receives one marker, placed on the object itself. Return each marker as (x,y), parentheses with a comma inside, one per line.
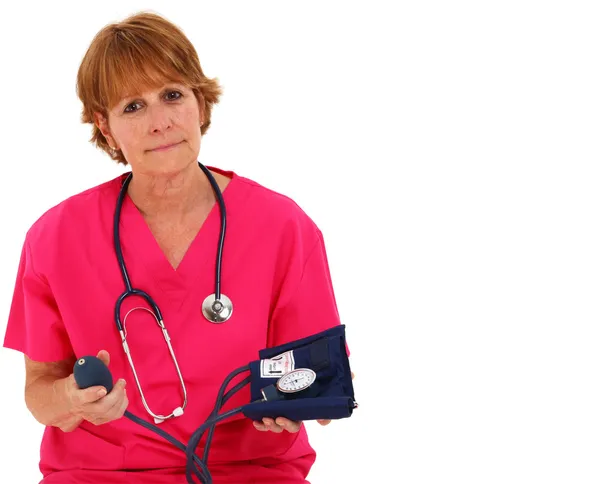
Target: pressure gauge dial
(296,380)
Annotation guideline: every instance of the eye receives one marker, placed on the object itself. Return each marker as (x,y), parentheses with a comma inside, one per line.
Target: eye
(168,96)
(128,106)
(174,92)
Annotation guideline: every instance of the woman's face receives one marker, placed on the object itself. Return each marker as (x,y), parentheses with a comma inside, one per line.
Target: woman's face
(140,125)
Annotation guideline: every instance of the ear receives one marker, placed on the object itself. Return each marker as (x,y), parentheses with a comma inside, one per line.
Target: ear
(102,123)
(202,113)
(201,108)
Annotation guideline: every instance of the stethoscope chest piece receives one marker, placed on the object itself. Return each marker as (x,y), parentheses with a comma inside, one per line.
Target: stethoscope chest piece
(217,311)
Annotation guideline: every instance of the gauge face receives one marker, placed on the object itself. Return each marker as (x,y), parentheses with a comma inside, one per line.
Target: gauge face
(296,380)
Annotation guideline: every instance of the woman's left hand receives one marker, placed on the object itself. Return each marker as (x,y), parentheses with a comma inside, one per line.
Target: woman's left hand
(280,424)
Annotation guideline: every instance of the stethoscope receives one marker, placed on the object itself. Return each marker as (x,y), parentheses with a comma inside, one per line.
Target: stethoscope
(217,308)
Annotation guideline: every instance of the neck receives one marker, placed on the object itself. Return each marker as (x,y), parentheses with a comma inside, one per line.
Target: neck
(173,195)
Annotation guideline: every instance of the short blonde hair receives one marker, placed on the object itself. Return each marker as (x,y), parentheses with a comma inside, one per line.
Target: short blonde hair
(142,51)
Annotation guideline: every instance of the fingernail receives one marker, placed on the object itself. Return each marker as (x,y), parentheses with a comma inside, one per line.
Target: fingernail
(101,392)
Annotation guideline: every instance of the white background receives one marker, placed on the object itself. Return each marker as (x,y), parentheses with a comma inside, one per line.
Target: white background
(449,153)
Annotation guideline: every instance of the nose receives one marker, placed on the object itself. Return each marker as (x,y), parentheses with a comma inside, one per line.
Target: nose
(160,118)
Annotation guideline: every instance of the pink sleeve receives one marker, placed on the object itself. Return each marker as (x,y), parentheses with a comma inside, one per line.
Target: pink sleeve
(34,324)
(307,304)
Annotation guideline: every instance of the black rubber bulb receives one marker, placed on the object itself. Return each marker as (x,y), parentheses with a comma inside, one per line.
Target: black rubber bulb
(90,371)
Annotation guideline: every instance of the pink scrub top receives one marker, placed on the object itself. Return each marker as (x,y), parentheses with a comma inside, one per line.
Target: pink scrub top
(274,270)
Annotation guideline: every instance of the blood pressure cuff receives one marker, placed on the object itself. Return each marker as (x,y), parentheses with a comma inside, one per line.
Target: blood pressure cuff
(330,396)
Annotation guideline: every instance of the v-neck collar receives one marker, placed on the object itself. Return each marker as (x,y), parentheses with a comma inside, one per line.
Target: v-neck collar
(142,252)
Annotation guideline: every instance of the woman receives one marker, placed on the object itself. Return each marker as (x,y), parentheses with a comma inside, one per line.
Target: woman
(142,87)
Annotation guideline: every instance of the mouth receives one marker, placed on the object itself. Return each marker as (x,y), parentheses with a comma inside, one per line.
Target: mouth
(166,147)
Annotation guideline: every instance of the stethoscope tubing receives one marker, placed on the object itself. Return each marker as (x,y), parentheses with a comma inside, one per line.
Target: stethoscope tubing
(221,243)
(129,290)
(190,450)
(216,307)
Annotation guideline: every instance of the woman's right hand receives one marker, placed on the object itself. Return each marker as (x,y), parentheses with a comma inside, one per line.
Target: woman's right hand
(92,403)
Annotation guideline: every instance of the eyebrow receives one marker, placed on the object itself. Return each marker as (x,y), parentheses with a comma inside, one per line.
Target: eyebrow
(134,97)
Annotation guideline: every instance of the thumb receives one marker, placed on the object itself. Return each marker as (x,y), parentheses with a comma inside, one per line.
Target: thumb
(91,394)
(104,356)
(79,396)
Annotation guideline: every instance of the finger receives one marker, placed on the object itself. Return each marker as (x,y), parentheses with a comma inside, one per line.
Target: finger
(109,408)
(324,422)
(288,425)
(104,356)
(275,428)
(116,396)
(117,410)
(352,373)
(260,426)
(272,426)
(106,404)
(123,407)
